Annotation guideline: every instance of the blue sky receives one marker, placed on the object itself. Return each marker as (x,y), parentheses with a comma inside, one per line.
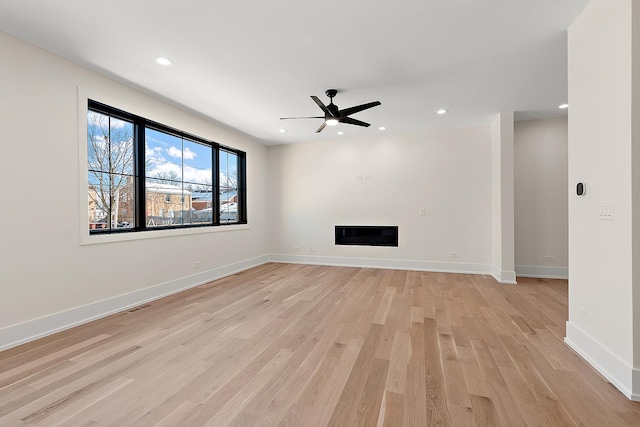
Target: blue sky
(168,155)
(189,160)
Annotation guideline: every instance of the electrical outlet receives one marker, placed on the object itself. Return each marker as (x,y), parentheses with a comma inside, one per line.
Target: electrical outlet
(584,315)
(312,249)
(548,258)
(454,255)
(358,177)
(197,264)
(422,211)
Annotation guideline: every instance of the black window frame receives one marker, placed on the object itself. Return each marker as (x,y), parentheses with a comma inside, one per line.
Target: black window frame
(139,173)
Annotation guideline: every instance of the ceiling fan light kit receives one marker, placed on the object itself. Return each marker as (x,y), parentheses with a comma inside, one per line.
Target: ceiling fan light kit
(333,115)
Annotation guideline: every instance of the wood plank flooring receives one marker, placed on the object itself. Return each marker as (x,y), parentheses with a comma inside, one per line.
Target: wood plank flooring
(301,345)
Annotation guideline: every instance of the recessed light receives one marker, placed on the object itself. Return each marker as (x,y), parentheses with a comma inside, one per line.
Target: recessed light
(162,60)
(381,128)
(563,106)
(442,111)
(340,133)
(282,131)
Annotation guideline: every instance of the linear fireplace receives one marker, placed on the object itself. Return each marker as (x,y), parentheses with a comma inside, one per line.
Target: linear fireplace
(365,235)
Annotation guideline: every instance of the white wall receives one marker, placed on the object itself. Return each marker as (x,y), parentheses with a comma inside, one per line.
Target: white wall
(541,198)
(600,325)
(315,186)
(47,279)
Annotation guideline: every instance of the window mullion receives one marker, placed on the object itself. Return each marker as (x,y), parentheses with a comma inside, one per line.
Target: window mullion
(140,176)
(242,188)
(110,170)
(215,180)
(182,189)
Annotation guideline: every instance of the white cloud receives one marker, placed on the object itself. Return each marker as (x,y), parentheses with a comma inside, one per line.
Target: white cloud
(197,175)
(158,164)
(153,153)
(187,154)
(189,173)
(153,156)
(164,168)
(174,152)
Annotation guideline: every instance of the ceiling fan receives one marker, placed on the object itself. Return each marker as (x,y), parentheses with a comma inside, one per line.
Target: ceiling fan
(333,115)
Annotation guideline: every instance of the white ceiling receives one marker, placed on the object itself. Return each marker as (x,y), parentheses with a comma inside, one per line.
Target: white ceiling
(248,63)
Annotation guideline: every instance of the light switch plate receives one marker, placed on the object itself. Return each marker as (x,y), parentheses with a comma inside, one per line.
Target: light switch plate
(606,211)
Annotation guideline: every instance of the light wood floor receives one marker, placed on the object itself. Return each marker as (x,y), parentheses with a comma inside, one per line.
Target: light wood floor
(296,345)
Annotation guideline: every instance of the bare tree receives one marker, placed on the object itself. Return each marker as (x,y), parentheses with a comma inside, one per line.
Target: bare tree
(169,177)
(110,162)
(205,187)
(229,181)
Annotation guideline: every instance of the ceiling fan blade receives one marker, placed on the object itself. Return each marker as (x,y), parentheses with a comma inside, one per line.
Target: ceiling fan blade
(350,121)
(307,117)
(321,105)
(322,126)
(358,108)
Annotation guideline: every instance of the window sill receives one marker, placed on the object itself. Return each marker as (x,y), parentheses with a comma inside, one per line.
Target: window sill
(94,239)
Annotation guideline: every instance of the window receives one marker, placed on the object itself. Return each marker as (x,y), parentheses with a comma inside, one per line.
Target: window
(144,175)
(110,152)
(228,193)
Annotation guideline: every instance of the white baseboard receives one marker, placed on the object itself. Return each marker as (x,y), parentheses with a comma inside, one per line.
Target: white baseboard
(503,276)
(542,272)
(397,264)
(21,333)
(617,371)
